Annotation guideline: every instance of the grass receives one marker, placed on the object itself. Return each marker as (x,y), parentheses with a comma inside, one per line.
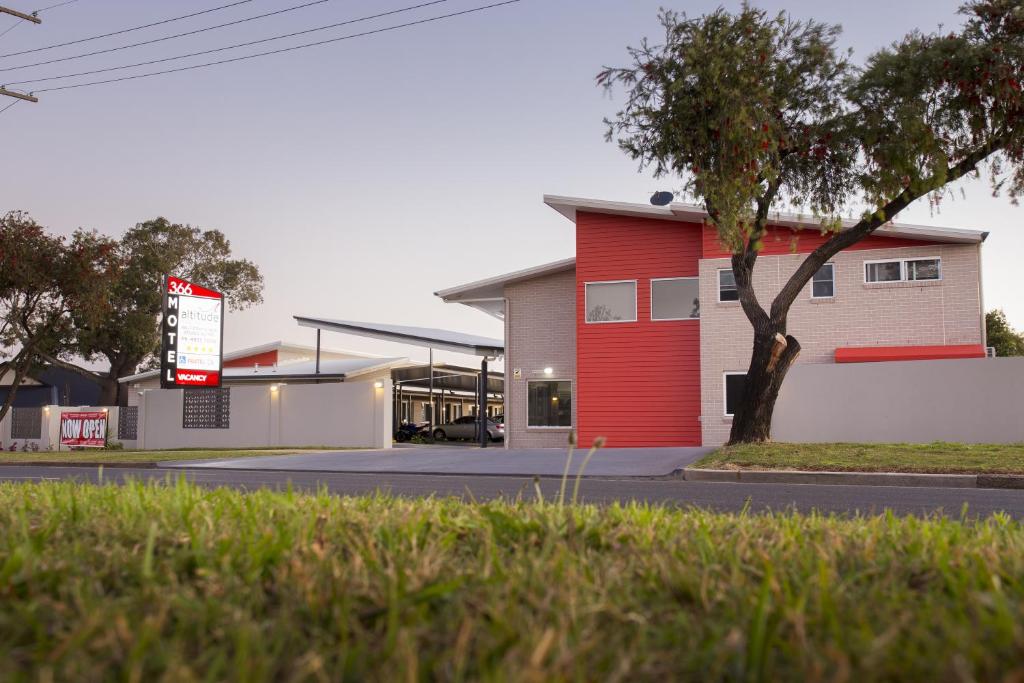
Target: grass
(139,457)
(155,582)
(949,458)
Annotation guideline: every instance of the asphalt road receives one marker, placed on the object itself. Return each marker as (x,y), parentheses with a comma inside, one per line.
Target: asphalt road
(719,496)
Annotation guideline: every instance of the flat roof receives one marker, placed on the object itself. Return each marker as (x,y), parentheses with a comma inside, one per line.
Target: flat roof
(346,368)
(427,337)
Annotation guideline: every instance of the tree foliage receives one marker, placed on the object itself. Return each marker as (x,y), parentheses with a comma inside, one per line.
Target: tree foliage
(1001,336)
(130,332)
(49,287)
(755,112)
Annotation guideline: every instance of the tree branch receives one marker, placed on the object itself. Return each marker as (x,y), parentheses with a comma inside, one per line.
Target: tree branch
(847,238)
(53,360)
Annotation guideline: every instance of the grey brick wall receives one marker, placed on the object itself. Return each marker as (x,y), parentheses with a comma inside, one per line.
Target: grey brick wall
(941,312)
(540,332)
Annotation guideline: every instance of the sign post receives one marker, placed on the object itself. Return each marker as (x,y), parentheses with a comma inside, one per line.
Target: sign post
(83,430)
(193,331)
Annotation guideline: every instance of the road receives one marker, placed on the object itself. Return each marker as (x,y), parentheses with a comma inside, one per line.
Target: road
(719,496)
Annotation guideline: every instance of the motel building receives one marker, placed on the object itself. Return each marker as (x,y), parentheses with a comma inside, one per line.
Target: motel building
(640,337)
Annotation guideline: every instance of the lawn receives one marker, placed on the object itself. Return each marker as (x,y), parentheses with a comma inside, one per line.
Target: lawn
(158,582)
(113,457)
(862,457)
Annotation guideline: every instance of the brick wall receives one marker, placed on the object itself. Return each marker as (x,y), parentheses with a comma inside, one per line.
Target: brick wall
(941,312)
(543,335)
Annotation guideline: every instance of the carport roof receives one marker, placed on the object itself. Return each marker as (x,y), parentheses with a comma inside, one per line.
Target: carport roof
(337,369)
(428,337)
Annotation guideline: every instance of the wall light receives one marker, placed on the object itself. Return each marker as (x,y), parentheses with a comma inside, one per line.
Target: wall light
(378,385)
(273,387)
(548,371)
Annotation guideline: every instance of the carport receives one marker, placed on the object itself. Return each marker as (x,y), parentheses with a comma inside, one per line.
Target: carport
(486,348)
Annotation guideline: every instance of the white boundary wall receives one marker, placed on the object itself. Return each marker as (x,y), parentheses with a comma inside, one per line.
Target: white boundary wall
(348,414)
(979,400)
(50,427)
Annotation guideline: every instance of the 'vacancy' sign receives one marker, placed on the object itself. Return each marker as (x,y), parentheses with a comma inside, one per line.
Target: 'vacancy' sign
(193,328)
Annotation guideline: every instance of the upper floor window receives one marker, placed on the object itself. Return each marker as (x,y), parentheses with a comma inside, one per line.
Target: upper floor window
(900,270)
(676,298)
(823,284)
(727,286)
(610,302)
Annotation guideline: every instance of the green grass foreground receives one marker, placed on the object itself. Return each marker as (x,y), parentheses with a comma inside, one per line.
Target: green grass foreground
(114,457)
(157,582)
(946,458)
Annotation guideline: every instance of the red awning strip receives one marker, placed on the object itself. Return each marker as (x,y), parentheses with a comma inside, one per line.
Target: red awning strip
(875,354)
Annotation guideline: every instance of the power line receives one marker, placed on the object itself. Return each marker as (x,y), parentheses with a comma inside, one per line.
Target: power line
(282,50)
(230,47)
(125,30)
(9,106)
(59,4)
(164,38)
(18,23)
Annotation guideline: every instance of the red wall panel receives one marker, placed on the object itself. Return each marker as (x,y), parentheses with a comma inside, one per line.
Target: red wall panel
(263,359)
(638,383)
(783,240)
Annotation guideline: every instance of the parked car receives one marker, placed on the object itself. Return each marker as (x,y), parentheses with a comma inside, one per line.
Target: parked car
(465,428)
(407,430)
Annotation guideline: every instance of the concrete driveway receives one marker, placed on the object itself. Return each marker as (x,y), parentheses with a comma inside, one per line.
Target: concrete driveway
(545,462)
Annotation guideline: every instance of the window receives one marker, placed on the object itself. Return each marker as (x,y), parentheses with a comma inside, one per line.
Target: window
(823,284)
(611,301)
(903,270)
(727,286)
(734,384)
(550,403)
(923,269)
(676,298)
(206,408)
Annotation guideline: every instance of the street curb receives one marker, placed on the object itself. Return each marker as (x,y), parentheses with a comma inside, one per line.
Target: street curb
(57,463)
(960,481)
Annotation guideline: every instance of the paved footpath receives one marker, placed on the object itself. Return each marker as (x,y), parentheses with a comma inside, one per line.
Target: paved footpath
(719,496)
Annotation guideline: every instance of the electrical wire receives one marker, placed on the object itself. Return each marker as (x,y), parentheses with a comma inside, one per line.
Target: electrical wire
(59,4)
(165,38)
(281,50)
(18,22)
(124,30)
(229,47)
(9,106)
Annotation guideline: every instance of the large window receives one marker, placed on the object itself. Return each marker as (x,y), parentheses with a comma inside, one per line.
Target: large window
(727,286)
(734,384)
(823,284)
(550,403)
(609,302)
(902,270)
(676,298)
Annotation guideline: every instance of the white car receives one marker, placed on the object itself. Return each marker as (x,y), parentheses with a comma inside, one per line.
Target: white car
(466,428)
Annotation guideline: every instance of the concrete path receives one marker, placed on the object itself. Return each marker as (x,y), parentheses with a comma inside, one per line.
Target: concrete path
(544,462)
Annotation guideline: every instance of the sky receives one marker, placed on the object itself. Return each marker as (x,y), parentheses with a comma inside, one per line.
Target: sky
(364,175)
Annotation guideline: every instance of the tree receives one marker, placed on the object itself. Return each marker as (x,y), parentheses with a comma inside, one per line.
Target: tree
(755,113)
(48,285)
(1003,338)
(130,333)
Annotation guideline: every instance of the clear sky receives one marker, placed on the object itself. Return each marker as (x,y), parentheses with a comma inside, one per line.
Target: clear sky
(364,175)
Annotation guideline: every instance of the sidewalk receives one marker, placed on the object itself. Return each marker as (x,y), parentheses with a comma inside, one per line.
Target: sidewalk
(971,481)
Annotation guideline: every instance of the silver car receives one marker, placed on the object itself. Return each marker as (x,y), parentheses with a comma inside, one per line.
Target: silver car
(466,428)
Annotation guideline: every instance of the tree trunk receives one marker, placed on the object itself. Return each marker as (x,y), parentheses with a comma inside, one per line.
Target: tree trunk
(21,365)
(772,357)
(109,387)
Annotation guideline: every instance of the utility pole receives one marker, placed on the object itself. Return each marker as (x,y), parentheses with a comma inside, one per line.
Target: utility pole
(35,20)
(21,15)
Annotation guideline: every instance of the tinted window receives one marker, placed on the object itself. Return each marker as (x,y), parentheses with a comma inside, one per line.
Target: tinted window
(886,271)
(611,301)
(675,299)
(923,269)
(727,286)
(733,392)
(550,404)
(823,284)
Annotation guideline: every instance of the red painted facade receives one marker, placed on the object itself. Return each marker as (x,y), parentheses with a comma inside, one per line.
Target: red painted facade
(266,358)
(638,383)
(875,354)
(781,240)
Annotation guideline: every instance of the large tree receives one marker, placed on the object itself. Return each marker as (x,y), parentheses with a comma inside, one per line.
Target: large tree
(754,113)
(129,335)
(1001,336)
(49,285)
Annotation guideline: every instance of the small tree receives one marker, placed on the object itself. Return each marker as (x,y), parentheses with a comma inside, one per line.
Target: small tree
(1003,338)
(756,112)
(129,335)
(47,284)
